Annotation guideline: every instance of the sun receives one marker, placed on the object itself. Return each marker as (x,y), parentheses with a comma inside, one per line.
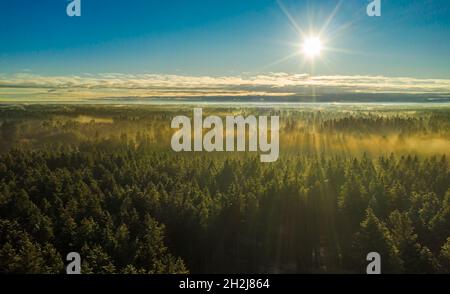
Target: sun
(312,47)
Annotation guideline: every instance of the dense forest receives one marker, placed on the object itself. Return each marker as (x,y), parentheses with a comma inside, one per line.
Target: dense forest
(103,181)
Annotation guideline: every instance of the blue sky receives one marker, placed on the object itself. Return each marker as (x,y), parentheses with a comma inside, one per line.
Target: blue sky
(223,38)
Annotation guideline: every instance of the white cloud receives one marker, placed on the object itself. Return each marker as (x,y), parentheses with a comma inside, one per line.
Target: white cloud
(109,85)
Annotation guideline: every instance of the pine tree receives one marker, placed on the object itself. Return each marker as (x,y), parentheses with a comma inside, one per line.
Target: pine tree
(444,257)
(416,258)
(374,236)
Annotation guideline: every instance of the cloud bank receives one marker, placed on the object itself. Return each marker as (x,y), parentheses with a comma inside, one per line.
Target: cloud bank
(32,87)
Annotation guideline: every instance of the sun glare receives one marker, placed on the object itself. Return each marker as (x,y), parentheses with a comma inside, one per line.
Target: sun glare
(312,47)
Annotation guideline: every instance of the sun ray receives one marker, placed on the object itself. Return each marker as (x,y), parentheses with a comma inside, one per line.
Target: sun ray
(290,18)
(281,60)
(330,18)
(347,51)
(315,41)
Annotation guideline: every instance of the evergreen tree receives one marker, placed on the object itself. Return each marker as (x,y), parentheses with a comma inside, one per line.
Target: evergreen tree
(374,236)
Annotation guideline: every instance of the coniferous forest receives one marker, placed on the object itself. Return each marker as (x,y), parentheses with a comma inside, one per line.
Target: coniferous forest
(104,182)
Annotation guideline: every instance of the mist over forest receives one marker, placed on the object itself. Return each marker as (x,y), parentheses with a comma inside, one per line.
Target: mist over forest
(102,180)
